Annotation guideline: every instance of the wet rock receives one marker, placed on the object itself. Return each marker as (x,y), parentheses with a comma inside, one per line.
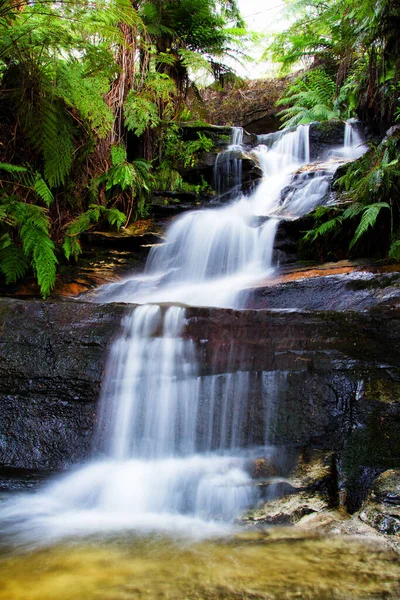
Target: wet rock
(310,488)
(382,507)
(323,137)
(135,236)
(322,387)
(334,286)
(52,358)
(287,510)
(262,468)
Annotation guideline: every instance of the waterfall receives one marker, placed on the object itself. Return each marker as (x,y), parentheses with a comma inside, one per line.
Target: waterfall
(174,445)
(354,145)
(228,165)
(210,255)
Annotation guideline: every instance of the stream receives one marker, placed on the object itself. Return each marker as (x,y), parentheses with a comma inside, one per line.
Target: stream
(174,448)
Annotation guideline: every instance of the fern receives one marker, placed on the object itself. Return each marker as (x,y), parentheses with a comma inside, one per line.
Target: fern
(118,155)
(86,94)
(311,98)
(29,179)
(323,229)
(13,262)
(32,225)
(140,113)
(71,244)
(368,220)
(42,190)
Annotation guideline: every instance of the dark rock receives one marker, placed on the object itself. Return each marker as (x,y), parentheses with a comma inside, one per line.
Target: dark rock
(52,357)
(382,507)
(263,123)
(325,136)
(323,387)
(352,289)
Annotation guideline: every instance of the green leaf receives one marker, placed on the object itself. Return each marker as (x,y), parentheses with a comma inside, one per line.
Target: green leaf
(43,190)
(368,220)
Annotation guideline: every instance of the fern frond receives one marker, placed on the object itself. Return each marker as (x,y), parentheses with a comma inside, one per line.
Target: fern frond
(114,216)
(368,220)
(13,262)
(50,131)
(13,169)
(34,231)
(118,155)
(85,221)
(323,229)
(353,210)
(140,113)
(42,190)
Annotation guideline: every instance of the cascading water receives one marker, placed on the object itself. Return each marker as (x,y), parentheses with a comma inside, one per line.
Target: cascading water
(211,254)
(228,165)
(170,441)
(354,145)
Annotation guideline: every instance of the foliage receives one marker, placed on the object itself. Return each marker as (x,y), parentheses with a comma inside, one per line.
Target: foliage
(311,99)
(25,240)
(85,221)
(77,79)
(370,185)
(179,152)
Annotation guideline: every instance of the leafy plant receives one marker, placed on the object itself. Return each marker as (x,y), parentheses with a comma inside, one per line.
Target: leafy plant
(311,98)
(71,245)
(26,241)
(370,185)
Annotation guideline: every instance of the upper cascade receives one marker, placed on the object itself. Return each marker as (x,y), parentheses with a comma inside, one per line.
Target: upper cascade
(210,255)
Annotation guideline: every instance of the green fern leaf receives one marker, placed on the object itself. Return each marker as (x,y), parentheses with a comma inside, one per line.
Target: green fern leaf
(118,155)
(13,262)
(353,210)
(43,190)
(368,220)
(13,169)
(323,229)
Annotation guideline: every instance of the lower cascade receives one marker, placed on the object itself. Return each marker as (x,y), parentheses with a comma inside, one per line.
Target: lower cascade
(174,446)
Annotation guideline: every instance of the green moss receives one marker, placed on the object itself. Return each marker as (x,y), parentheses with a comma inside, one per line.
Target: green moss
(375,446)
(383,390)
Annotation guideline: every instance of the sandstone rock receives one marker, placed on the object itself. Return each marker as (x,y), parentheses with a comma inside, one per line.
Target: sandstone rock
(382,507)
(287,510)
(310,488)
(262,467)
(312,373)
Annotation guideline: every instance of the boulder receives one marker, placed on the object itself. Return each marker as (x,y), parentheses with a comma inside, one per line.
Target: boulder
(381,510)
(311,487)
(324,137)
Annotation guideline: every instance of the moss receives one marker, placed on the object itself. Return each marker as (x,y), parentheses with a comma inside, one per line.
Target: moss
(376,446)
(383,390)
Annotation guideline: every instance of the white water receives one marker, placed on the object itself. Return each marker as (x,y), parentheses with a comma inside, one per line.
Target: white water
(354,145)
(170,442)
(210,255)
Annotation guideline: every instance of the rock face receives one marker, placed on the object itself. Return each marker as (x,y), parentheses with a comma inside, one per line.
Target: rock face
(382,507)
(330,380)
(52,357)
(325,136)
